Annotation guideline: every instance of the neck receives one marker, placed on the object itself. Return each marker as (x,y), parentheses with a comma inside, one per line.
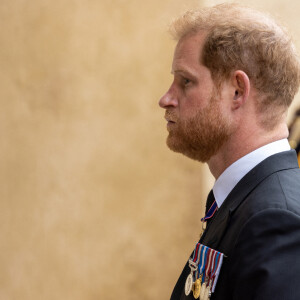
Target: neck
(239,146)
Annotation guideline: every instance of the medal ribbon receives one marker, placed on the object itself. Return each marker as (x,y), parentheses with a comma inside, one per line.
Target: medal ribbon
(211,212)
(212,265)
(193,263)
(196,252)
(209,264)
(196,258)
(206,262)
(217,271)
(203,261)
(215,267)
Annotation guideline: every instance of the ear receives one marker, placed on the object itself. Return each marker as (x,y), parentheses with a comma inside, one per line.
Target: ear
(241,84)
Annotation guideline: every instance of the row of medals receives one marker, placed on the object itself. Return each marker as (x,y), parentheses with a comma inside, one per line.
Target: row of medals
(202,292)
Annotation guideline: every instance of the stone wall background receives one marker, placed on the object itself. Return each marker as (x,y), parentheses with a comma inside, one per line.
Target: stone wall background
(93,205)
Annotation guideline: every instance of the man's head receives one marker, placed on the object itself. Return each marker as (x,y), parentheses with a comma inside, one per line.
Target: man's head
(240,38)
(222,44)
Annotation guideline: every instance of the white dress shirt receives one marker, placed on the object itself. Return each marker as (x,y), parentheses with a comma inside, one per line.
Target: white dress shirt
(235,172)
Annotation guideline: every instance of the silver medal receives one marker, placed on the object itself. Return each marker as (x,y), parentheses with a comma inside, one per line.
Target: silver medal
(188,284)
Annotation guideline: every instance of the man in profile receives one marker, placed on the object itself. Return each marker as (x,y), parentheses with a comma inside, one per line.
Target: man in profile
(235,74)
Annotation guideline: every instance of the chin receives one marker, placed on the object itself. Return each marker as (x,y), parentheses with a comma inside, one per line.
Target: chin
(201,155)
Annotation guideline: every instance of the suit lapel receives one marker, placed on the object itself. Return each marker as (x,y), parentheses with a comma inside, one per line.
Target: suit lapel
(216,229)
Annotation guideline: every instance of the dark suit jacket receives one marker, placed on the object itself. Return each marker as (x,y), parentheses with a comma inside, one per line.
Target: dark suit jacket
(258,228)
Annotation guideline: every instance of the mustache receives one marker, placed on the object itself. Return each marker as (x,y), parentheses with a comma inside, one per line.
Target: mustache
(171,116)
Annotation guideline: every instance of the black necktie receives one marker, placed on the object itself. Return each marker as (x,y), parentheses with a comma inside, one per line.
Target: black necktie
(209,201)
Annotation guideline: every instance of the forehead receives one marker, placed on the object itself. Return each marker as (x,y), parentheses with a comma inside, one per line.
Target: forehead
(188,53)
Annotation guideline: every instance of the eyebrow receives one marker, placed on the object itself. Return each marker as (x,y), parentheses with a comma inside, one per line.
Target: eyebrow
(184,72)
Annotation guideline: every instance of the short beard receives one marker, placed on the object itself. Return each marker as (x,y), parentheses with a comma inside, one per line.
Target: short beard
(201,136)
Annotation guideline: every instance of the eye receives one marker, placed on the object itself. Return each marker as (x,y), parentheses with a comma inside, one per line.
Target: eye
(186,81)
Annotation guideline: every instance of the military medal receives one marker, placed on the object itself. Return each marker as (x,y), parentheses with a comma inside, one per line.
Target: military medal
(211,267)
(197,283)
(188,284)
(193,264)
(206,273)
(205,265)
(201,268)
(207,292)
(197,288)
(203,288)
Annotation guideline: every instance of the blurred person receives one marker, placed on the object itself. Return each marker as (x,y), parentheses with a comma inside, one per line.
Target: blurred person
(235,74)
(294,129)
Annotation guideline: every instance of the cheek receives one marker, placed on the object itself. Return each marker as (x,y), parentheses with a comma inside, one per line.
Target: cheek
(193,103)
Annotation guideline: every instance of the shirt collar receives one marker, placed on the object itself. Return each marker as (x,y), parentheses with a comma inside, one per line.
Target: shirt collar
(235,172)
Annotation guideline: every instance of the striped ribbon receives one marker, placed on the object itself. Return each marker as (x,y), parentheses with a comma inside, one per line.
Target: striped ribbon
(211,212)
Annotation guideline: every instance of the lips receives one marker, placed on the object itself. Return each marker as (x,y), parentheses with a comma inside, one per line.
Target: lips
(170,118)
(169,121)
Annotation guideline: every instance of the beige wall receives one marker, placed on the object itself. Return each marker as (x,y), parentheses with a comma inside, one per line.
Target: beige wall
(93,205)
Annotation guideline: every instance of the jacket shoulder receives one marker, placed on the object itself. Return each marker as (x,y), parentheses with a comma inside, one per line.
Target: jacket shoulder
(280,190)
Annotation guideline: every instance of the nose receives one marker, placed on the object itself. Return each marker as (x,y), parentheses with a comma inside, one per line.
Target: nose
(168,100)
